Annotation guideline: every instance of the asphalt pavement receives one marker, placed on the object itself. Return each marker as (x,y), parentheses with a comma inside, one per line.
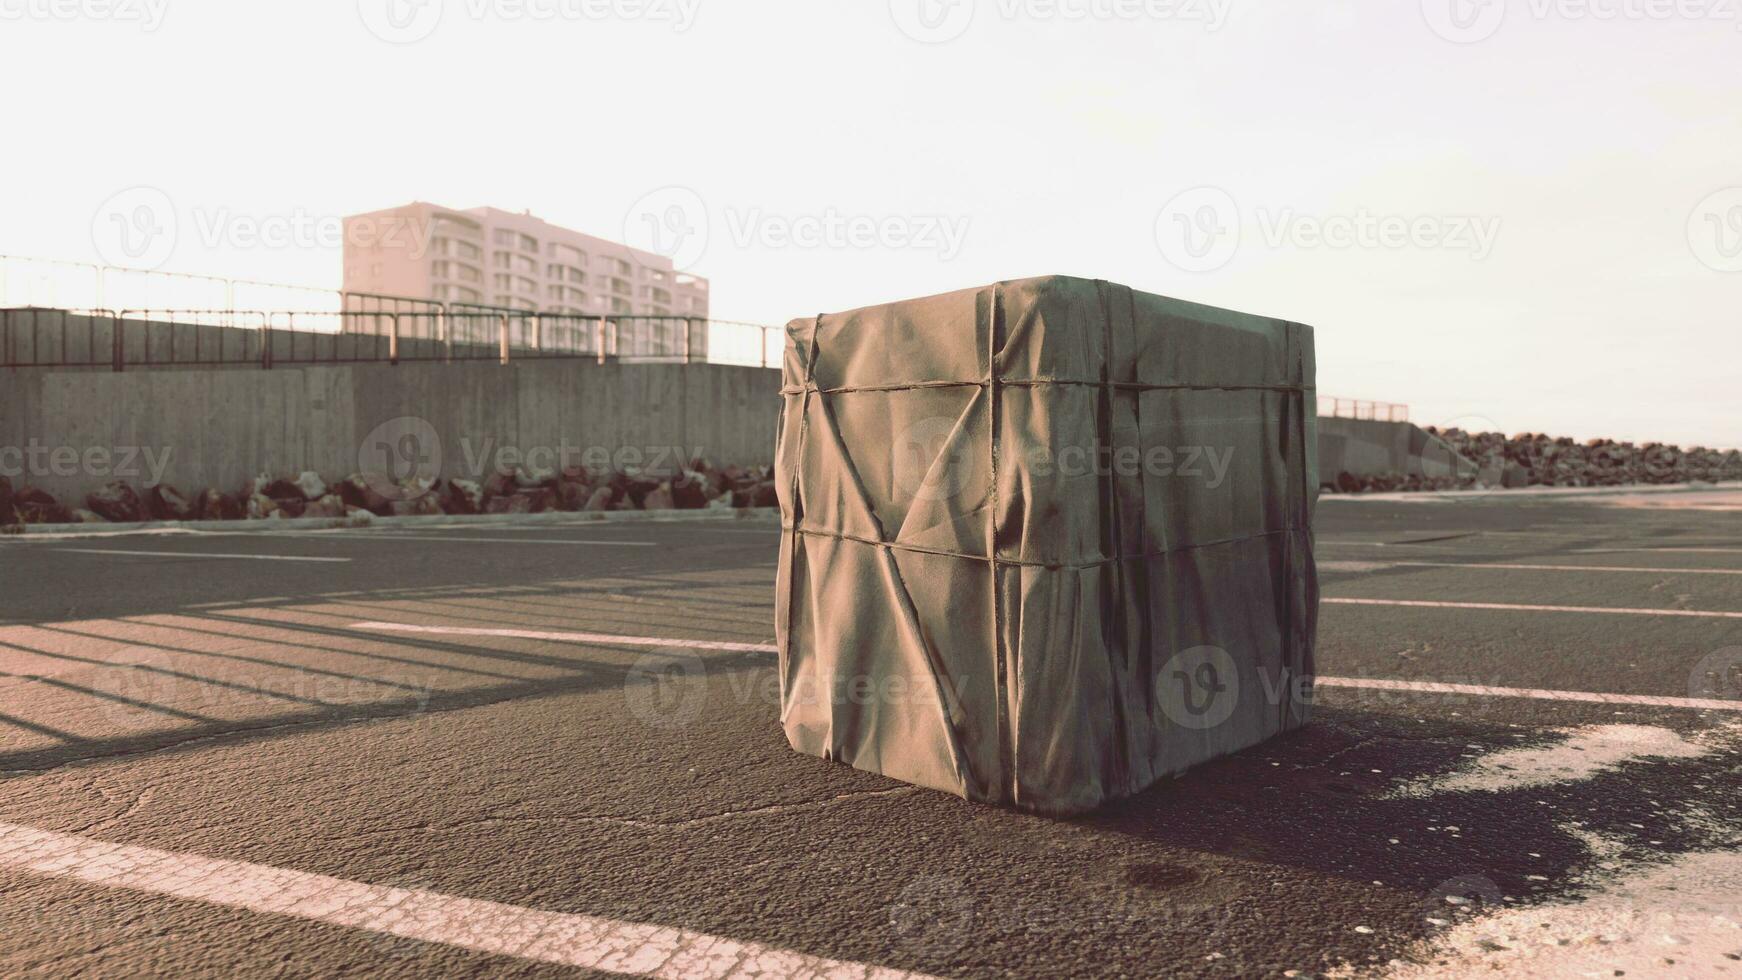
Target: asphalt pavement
(554,750)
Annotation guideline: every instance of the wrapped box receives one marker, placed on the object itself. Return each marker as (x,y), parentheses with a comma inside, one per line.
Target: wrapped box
(1045,542)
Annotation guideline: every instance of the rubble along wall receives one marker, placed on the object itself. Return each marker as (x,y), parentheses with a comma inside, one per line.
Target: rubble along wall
(1361,447)
(71,432)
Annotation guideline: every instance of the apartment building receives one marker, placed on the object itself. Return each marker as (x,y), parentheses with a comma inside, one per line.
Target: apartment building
(515,261)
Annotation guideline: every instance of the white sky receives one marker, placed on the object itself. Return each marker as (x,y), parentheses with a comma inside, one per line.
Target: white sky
(1595,143)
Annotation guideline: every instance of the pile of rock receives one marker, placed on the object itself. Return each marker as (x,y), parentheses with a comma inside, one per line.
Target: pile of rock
(365,496)
(1534,459)
(1537,460)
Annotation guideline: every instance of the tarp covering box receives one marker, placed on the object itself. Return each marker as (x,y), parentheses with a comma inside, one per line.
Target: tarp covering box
(1045,542)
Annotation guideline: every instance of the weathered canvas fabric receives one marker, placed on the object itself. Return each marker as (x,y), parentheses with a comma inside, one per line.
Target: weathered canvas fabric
(1045,542)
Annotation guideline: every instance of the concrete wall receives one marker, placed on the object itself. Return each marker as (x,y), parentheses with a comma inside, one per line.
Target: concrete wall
(1366,448)
(201,428)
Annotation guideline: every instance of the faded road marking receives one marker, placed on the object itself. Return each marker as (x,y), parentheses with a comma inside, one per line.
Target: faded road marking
(1368,566)
(1589,697)
(585,941)
(194,554)
(1509,607)
(610,639)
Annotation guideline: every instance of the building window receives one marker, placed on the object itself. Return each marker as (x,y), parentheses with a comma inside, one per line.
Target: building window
(529,244)
(502,260)
(526,265)
(502,281)
(504,237)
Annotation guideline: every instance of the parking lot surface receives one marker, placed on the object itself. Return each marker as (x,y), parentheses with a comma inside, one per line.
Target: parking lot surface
(550,750)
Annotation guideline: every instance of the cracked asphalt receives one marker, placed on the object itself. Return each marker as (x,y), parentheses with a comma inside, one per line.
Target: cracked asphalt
(232,710)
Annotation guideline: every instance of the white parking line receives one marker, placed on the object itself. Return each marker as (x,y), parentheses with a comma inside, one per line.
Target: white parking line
(1666,551)
(1508,607)
(194,554)
(1475,690)
(414,536)
(585,941)
(1427,687)
(609,639)
(1363,566)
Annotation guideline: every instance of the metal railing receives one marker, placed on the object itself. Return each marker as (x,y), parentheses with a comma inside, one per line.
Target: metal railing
(119,339)
(1351,408)
(67,314)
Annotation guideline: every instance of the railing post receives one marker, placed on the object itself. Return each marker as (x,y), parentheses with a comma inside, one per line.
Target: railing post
(115,340)
(393,342)
(765,347)
(601,340)
(504,341)
(688,325)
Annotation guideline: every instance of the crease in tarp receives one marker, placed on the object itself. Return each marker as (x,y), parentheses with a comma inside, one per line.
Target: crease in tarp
(1094,717)
(849,501)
